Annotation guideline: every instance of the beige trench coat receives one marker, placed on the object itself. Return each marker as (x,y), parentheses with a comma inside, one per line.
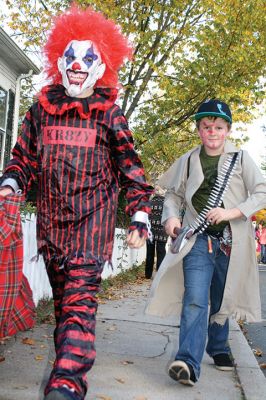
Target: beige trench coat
(247,192)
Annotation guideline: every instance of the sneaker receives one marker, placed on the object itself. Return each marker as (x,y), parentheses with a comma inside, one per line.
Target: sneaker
(182,372)
(60,394)
(223,362)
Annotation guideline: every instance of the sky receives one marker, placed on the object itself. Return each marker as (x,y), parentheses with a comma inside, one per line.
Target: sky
(256,145)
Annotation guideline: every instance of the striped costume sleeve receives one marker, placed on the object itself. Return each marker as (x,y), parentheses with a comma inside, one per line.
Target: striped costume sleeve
(23,166)
(130,168)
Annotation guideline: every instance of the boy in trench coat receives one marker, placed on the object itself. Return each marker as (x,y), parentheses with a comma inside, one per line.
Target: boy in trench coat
(219,265)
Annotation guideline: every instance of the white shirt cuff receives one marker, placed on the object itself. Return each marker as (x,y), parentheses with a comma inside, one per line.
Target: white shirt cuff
(140,216)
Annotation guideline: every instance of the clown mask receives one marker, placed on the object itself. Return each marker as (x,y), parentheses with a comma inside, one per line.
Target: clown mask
(81,66)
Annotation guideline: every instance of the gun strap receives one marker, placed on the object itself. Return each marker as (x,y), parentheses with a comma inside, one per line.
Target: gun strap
(217,193)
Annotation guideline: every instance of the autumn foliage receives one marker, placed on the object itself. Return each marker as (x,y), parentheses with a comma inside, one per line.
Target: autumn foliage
(184,52)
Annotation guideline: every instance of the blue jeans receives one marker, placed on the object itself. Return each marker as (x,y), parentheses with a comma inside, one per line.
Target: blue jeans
(204,278)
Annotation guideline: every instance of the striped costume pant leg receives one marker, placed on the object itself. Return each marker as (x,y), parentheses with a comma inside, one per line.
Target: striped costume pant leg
(74,290)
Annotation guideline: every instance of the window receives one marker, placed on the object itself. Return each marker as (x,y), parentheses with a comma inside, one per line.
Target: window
(3,107)
(7,101)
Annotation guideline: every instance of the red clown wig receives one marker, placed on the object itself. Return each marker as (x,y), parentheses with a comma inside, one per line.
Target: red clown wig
(78,24)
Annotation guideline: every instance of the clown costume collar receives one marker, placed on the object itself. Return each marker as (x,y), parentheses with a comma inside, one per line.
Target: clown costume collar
(54,100)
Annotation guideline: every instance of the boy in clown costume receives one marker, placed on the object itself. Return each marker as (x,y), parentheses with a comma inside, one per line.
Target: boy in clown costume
(76,143)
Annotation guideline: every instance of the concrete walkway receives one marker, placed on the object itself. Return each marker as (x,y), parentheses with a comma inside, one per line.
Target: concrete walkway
(133,351)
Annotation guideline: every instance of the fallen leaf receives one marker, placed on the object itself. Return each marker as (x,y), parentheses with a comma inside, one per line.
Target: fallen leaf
(126,362)
(28,341)
(103,397)
(21,387)
(257,352)
(141,398)
(4,339)
(38,358)
(112,328)
(262,365)
(2,358)
(120,380)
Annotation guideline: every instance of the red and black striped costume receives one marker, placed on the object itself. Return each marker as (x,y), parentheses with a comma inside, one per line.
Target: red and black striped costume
(80,151)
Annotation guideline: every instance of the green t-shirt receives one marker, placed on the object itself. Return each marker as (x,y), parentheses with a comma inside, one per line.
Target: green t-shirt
(209,166)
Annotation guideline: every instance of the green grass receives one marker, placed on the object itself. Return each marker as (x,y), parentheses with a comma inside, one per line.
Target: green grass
(45,311)
(132,275)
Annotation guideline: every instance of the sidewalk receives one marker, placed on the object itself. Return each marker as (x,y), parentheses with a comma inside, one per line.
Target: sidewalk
(133,351)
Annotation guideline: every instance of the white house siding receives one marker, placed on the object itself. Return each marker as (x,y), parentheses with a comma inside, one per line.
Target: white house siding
(7,77)
(33,267)
(14,66)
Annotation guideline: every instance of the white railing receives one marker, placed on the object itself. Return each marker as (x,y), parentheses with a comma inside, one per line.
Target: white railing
(34,269)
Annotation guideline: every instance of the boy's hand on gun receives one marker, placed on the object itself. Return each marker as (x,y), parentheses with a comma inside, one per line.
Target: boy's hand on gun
(170,225)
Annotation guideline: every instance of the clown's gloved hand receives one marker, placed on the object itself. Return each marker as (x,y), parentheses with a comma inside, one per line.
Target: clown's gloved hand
(141,227)
(139,230)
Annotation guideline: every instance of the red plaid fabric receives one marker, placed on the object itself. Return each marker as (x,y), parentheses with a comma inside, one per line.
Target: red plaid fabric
(17,310)
(80,151)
